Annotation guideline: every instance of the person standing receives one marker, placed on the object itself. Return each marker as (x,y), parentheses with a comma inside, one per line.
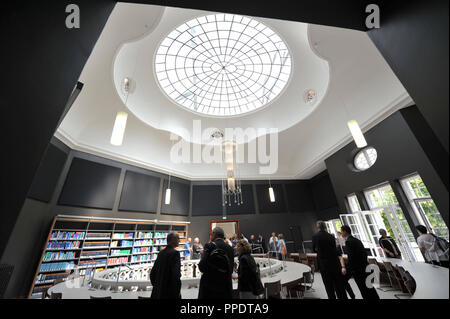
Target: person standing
(165,275)
(197,249)
(273,245)
(188,249)
(217,266)
(429,246)
(281,247)
(357,263)
(247,272)
(389,245)
(324,244)
(262,243)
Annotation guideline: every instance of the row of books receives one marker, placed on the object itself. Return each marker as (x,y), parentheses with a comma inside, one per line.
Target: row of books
(143,258)
(143,242)
(123,243)
(63,245)
(57,266)
(117,261)
(161,235)
(67,235)
(60,255)
(41,288)
(162,241)
(89,271)
(96,244)
(98,235)
(123,236)
(140,250)
(141,235)
(40,278)
(120,252)
(92,263)
(94,253)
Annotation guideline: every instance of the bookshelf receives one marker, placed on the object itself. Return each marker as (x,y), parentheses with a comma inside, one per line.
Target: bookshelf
(93,244)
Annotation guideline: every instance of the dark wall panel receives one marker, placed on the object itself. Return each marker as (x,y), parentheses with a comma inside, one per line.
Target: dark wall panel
(420,61)
(248,206)
(44,182)
(90,184)
(140,193)
(323,192)
(299,197)
(180,198)
(264,203)
(207,200)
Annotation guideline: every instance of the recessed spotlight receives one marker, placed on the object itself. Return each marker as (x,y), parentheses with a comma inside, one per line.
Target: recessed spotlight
(310,96)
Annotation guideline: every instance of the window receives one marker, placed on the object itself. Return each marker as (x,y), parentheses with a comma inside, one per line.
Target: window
(223,65)
(365,159)
(354,203)
(382,201)
(424,206)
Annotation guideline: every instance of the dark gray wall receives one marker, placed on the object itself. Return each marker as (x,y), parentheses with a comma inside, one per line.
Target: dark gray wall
(413,39)
(399,154)
(45,60)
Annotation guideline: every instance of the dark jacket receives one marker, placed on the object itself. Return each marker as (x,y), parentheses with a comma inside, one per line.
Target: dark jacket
(262,242)
(196,252)
(165,275)
(324,244)
(390,244)
(247,271)
(357,255)
(213,286)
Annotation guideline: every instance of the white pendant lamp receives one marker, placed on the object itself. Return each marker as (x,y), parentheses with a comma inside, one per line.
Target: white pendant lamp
(119,128)
(271,193)
(168,193)
(357,134)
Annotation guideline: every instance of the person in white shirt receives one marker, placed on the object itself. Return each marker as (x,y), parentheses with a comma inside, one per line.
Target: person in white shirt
(273,245)
(429,246)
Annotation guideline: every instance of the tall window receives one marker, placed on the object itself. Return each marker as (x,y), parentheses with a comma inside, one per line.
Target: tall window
(383,201)
(354,203)
(424,206)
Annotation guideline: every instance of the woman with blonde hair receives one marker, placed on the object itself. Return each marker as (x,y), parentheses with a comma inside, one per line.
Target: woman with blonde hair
(248,280)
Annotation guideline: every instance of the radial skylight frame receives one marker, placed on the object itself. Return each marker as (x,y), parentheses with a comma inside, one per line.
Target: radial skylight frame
(223,65)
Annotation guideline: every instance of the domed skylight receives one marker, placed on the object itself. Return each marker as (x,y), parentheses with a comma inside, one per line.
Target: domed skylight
(223,65)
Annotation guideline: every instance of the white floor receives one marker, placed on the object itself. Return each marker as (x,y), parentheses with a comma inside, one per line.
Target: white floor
(319,290)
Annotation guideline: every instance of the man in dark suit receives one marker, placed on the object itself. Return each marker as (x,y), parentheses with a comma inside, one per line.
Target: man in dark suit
(262,242)
(324,244)
(216,265)
(357,263)
(166,273)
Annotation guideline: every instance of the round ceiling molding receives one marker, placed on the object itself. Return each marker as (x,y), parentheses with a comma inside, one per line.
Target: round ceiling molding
(223,65)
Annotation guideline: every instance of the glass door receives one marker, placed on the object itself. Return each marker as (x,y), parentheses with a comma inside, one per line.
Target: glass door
(374,222)
(383,201)
(356,224)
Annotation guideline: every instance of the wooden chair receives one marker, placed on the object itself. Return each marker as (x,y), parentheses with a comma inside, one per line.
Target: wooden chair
(45,293)
(56,295)
(409,283)
(107,297)
(272,290)
(295,288)
(394,281)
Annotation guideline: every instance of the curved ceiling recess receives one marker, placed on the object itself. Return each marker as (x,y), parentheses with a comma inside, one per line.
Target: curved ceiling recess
(228,71)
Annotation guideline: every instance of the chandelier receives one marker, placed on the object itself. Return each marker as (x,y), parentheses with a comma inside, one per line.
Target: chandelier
(231,185)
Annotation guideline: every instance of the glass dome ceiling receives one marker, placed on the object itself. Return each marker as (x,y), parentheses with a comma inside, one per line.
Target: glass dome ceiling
(222,65)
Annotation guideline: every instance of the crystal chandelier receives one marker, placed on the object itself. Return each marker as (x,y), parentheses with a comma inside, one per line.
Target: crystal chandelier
(231,186)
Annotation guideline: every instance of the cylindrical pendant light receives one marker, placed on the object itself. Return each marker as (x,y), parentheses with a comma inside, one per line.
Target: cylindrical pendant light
(168,193)
(119,129)
(271,193)
(357,134)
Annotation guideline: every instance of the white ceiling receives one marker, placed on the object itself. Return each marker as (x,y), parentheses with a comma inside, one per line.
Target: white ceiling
(350,76)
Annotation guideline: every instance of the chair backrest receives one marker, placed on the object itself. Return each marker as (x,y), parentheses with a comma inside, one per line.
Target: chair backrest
(410,283)
(372,261)
(307,277)
(56,295)
(273,289)
(107,297)
(302,256)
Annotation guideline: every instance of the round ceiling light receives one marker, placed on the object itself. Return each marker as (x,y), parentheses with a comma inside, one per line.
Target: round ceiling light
(223,65)
(365,158)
